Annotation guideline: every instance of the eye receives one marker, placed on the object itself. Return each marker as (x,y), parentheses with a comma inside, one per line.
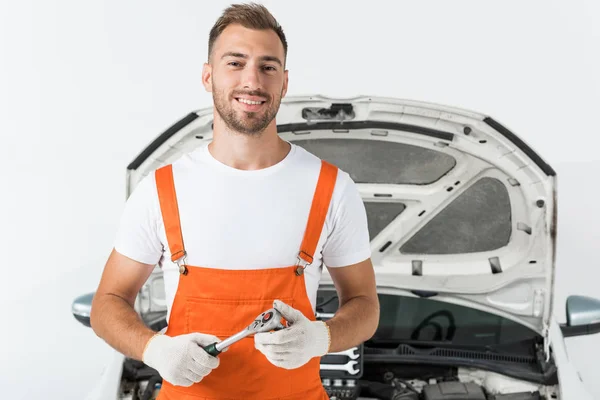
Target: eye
(234,63)
(269,68)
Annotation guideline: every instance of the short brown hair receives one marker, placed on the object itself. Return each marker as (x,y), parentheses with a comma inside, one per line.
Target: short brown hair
(251,16)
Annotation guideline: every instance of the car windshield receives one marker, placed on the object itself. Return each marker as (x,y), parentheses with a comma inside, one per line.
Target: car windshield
(411,319)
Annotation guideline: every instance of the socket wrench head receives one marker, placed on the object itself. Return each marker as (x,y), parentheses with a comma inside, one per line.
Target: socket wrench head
(266,322)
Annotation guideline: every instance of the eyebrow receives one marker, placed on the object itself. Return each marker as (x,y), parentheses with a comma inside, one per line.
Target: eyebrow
(262,58)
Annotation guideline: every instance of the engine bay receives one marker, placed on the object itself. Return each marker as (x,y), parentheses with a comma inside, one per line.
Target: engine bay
(382,382)
(422,382)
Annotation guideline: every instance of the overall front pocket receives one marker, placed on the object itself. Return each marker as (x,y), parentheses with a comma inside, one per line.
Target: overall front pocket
(224,317)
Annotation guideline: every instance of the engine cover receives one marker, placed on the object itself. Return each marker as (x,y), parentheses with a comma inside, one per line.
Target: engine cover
(453,391)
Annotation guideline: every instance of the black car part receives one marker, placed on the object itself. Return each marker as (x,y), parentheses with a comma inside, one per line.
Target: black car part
(337,111)
(149,391)
(517,396)
(453,391)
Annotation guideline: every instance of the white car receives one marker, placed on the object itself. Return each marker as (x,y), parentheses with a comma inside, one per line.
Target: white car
(462,221)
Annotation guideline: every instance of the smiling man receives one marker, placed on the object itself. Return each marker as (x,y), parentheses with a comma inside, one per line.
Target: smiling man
(241,225)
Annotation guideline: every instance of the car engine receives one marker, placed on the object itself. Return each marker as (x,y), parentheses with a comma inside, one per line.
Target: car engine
(422,382)
(388,382)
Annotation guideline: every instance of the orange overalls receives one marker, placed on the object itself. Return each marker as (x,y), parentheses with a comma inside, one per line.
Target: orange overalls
(223,302)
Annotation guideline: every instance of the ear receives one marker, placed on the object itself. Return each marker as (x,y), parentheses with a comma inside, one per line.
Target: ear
(207,77)
(285,83)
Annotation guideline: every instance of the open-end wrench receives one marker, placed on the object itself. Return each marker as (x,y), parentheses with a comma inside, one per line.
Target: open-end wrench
(350,353)
(349,366)
(265,322)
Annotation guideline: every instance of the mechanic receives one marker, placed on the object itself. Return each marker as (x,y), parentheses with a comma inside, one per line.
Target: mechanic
(238,226)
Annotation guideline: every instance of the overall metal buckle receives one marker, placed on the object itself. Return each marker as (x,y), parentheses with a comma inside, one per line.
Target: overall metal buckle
(181,264)
(301,266)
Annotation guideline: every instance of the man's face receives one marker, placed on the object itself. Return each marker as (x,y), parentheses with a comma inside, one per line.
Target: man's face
(247,78)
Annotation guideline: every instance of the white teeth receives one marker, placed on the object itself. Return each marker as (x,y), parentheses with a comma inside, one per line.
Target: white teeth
(249,101)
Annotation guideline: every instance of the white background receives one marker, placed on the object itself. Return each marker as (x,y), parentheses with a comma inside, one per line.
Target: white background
(84,86)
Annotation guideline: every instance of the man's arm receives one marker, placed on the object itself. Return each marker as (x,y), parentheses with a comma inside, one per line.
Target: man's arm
(113,317)
(357,317)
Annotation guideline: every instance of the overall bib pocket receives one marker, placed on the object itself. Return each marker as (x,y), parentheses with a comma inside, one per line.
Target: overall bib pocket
(224,317)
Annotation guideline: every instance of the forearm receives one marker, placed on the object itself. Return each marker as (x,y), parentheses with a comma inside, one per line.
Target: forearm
(115,321)
(354,322)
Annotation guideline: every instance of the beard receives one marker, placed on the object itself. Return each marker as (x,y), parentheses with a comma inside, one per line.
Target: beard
(245,122)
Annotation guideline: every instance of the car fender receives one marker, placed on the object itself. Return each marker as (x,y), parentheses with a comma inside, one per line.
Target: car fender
(107,387)
(570,384)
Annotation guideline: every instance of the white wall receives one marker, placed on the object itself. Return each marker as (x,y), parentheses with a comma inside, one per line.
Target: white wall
(84,86)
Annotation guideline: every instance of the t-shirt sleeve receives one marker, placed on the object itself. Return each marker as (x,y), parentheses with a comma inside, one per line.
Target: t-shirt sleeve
(137,234)
(348,240)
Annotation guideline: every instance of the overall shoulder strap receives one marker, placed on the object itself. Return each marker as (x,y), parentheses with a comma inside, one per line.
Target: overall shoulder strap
(167,197)
(318,212)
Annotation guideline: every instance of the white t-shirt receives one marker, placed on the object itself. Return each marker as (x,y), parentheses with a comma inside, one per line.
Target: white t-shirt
(237,219)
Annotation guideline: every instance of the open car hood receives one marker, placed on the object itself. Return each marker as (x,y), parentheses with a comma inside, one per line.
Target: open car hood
(460,209)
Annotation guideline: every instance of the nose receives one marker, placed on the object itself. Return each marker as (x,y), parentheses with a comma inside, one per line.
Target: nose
(251,78)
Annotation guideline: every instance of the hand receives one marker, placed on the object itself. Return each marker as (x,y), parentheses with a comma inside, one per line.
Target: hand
(180,360)
(294,346)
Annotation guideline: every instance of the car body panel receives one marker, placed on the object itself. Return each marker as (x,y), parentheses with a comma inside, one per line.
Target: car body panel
(109,381)
(571,385)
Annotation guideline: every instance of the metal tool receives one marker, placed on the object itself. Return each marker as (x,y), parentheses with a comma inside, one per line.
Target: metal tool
(350,353)
(349,367)
(267,321)
(320,315)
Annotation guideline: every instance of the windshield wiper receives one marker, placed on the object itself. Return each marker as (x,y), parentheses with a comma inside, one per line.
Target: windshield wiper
(407,352)
(518,363)
(394,344)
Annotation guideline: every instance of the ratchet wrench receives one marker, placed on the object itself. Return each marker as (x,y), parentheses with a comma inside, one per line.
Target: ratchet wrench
(265,322)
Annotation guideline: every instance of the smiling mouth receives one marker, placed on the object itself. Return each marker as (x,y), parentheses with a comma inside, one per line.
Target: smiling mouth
(250,102)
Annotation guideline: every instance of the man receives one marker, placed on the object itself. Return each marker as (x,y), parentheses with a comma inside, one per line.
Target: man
(239,226)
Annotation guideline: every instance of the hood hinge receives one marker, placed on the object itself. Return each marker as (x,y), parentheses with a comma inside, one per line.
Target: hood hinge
(538,310)
(546,336)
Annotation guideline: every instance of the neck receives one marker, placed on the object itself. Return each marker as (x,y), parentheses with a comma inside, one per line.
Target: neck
(247,152)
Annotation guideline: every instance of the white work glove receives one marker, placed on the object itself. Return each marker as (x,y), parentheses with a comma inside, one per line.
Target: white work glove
(179,359)
(293,347)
